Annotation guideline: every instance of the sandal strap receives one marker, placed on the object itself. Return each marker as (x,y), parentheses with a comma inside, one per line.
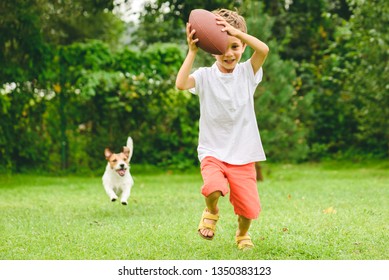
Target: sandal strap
(210,216)
(239,239)
(244,242)
(207,226)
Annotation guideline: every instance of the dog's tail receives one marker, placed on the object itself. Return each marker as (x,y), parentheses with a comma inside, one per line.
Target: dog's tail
(130,145)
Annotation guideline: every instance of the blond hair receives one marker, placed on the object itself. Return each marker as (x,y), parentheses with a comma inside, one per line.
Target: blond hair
(232,18)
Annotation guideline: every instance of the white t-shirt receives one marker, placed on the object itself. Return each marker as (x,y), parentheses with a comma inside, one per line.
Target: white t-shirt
(228,125)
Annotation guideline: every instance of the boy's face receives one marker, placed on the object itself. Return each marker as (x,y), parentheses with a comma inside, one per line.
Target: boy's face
(227,61)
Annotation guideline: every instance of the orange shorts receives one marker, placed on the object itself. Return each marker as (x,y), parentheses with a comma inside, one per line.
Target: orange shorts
(241,179)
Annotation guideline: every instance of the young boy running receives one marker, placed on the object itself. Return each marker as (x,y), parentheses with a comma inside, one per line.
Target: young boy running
(229,140)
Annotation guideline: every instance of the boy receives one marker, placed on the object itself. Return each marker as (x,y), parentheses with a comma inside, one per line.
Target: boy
(229,140)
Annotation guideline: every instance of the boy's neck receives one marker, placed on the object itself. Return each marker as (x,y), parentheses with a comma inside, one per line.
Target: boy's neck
(222,69)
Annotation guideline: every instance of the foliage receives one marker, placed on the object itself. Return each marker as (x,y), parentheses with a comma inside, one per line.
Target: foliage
(22,126)
(304,25)
(32,31)
(70,87)
(146,106)
(105,97)
(368,83)
(30,28)
(23,51)
(350,94)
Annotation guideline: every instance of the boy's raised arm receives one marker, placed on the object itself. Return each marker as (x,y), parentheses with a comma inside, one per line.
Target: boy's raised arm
(260,48)
(184,80)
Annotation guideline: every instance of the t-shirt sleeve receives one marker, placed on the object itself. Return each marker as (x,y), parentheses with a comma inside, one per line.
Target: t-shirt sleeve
(257,78)
(197,77)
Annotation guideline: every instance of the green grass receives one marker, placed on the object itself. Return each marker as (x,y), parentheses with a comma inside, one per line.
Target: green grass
(65,218)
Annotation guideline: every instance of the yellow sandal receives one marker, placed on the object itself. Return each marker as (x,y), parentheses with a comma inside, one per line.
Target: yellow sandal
(203,225)
(244,242)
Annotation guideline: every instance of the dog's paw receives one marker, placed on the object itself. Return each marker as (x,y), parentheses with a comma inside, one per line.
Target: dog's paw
(124,202)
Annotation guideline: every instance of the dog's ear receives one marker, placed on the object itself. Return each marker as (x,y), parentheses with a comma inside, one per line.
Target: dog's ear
(107,153)
(126,151)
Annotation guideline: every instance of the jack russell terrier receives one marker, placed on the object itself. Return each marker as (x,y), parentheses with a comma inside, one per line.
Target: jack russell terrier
(117,179)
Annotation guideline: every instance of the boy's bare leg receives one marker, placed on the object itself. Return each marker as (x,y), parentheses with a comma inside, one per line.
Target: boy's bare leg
(243,239)
(211,202)
(244,225)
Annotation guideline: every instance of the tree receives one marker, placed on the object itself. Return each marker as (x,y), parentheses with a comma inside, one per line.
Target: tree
(23,50)
(30,28)
(30,32)
(304,26)
(365,40)
(349,91)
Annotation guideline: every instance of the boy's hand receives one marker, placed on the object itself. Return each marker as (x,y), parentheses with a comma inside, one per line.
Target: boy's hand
(189,37)
(227,27)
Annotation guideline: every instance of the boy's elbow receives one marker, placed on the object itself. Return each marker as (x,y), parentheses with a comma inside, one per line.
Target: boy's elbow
(179,86)
(184,83)
(265,49)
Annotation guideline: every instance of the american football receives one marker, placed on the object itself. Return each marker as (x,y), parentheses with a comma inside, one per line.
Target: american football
(211,37)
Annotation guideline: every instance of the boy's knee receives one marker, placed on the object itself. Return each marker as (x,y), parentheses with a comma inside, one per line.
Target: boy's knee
(249,210)
(214,189)
(215,195)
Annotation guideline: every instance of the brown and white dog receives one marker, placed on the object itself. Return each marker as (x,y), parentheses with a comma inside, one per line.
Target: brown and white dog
(117,179)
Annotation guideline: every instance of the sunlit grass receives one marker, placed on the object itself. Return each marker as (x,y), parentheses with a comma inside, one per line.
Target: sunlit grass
(324,211)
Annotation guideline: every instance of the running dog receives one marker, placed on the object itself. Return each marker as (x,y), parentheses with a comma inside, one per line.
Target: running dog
(117,179)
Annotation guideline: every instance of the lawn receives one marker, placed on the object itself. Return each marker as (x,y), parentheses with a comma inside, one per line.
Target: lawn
(327,211)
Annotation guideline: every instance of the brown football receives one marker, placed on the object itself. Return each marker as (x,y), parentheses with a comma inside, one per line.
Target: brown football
(211,37)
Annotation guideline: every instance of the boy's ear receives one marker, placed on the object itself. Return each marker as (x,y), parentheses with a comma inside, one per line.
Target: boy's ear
(244,47)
